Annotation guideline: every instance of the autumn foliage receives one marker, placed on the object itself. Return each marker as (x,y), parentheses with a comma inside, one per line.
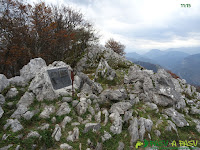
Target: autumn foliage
(115,46)
(53,33)
(173,74)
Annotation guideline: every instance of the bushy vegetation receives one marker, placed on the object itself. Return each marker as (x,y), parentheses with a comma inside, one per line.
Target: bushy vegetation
(40,30)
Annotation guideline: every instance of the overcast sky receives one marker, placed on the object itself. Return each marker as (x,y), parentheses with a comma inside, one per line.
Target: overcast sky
(142,25)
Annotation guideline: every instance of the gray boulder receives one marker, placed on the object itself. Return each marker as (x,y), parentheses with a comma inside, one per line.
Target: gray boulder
(82,107)
(67,99)
(113,95)
(121,146)
(99,146)
(28,115)
(116,119)
(88,86)
(12,93)
(141,123)
(106,114)
(26,100)
(171,126)
(133,131)
(14,124)
(195,111)
(1,112)
(148,124)
(120,107)
(106,136)
(2,99)
(105,71)
(4,82)
(63,109)
(128,116)
(48,110)
(152,106)
(75,103)
(73,136)
(18,81)
(65,146)
(57,133)
(136,74)
(33,134)
(98,117)
(6,147)
(176,117)
(91,126)
(66,120)
(32,68)
(44,126)
(21,109)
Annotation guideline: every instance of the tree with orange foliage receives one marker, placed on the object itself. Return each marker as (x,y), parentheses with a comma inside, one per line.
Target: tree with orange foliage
(115,46)
(53,33)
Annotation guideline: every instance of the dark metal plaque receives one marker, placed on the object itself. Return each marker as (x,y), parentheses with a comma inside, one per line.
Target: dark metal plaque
(59,78)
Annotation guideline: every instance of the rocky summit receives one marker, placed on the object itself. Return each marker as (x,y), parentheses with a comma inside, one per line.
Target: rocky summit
(115,105)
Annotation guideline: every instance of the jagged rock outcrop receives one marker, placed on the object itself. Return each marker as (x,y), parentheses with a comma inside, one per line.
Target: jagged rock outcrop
(4,82)
(30,70)
(139,106)
(105,71)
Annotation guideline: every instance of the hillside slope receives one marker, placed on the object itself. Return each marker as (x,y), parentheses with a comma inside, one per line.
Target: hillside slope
(189,69)
(115,105)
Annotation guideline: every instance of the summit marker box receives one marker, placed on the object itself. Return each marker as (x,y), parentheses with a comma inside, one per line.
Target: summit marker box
(59,77)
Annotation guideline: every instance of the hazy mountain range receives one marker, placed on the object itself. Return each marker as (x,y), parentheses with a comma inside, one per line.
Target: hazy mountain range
(184,64)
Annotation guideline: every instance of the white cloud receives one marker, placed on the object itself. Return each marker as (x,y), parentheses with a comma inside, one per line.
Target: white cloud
(143,24)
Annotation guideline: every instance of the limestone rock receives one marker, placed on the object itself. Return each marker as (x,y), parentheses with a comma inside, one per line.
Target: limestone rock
(194,110)
(6,147)
(18,81)
(177,118)
(48,110)
(14,124)
(67,99)
(133,131)
(1,112)
(106,136)
(120,107)
(21,110)
(75,103)
(106,114)
(117,121)
(141,123)
(44,126)
(4,82)
(91,126)
(128,116)
(32,68)
(33,134)
(26,100)
(2,99)
(66,120)
(98,117)
(82,107)
(12,93)
(29,114)
(63,109)
(148,124)
(105,71)
(99,146)
(57,133)
(113,95)
(65,146)
(121,146)
(73,136)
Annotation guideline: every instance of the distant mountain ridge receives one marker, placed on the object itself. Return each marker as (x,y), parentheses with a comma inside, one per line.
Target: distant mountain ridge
(183,64)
